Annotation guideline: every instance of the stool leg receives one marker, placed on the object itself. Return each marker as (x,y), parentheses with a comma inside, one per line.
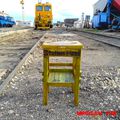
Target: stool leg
(76,82)
(76,94)
(45,93)
(45,84)
(49,90)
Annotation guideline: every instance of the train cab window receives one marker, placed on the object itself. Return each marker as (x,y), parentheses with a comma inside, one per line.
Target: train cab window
(12,19)
(39,8)
(47,8)
(8,18)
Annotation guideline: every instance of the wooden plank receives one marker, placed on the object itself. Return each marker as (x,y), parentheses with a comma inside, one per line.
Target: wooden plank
(51,77)
(62,45)
(45,65)
(12,74)
(69,78)
(60,52)
(61,78)
(60,70)
(60,64)
(76,89)
(60,84)
(58,77)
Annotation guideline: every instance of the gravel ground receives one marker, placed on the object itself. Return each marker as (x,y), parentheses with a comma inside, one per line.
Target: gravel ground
(14,47)
(99,88)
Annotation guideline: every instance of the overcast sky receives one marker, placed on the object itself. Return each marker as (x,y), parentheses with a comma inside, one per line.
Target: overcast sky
(61,9)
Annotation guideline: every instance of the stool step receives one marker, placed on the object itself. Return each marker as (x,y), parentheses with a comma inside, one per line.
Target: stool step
(60,77)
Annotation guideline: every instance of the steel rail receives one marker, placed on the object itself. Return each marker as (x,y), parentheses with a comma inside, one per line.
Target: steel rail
(111,40)
(15,70)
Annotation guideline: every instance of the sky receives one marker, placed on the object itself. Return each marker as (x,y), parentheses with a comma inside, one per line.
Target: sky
(61,9)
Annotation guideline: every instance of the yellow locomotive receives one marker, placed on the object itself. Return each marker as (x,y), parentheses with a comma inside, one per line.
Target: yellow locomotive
(43,16)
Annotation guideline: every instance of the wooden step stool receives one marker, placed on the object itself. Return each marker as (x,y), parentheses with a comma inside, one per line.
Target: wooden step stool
(62,77)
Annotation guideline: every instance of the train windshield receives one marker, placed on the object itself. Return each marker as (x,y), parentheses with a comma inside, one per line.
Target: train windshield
(39,8)
(47,8)
(12,19)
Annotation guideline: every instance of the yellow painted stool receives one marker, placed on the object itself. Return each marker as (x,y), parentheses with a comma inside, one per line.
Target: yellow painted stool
(62,77)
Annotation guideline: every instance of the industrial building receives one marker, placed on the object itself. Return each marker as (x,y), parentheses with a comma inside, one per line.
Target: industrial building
(69,22)
(24,23)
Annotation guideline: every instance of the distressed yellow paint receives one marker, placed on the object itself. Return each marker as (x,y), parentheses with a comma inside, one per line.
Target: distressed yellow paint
(62,77)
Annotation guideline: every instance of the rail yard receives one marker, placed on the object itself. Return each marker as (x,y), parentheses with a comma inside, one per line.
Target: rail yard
(59,66)
(21,96)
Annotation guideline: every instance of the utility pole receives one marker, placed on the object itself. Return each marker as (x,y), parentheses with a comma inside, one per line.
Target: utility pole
(22,3)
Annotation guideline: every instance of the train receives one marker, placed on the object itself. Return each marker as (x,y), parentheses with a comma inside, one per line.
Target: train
(43,16)
(6,20)
(106,14)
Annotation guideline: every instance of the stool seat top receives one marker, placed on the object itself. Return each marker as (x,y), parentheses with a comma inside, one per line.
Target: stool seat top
(62,44)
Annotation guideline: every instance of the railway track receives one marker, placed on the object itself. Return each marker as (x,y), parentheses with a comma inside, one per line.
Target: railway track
(14,50)
(111,40)
(12,29)
(8,31)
